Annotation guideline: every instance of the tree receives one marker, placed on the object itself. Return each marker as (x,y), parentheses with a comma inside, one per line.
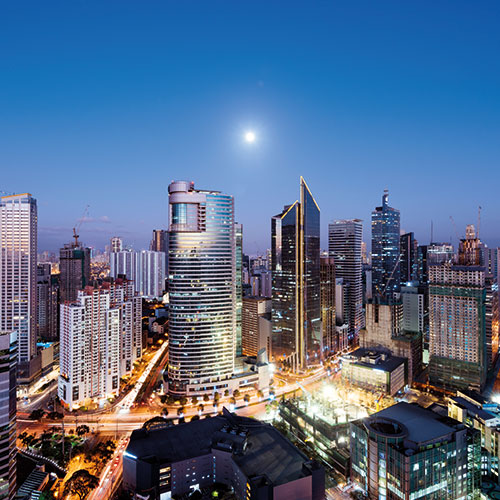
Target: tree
(180,411)
(81,430)
(216,396)
(183,400)
(81,483)
(246,398)
(226,393)
(37,414)
(232,401)
(164,411)
(236,393)
(206,398)
(194,400)
(201,408)
(260,394)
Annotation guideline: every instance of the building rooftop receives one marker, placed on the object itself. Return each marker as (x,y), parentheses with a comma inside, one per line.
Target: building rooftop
(373,358)
(423,425)
(257,448)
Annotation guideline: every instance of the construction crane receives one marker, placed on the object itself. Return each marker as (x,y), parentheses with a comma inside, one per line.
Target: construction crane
(78,225)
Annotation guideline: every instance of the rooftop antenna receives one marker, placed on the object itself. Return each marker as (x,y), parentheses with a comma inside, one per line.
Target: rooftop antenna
(478,220)
(432,232)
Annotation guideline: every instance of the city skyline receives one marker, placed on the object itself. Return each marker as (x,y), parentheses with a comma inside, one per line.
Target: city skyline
(396,97)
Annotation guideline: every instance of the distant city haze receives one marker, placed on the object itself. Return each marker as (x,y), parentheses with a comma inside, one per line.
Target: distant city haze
(354,97)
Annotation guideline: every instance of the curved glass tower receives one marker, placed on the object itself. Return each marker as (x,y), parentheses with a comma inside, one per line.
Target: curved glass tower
(202,287)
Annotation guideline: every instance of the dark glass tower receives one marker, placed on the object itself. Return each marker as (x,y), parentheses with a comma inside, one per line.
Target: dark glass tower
(296,313)
(74,263)
(385,252)
(409,258)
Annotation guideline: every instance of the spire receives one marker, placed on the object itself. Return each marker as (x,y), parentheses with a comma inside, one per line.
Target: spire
(385,198)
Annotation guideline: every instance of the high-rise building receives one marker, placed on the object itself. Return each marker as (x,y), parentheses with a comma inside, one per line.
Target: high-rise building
(202,287)
(296,313)
(470,250)
(18,276)
(328,320)
(74,265)
(116,244)
(491,261)
(48,303)
(256,325)
(385,251)
(159,241)
(100,339)
(145,268)
(8,435)
(491,323)
(458,353)
(238,235)
(409,452)
(409,258)
(344,245)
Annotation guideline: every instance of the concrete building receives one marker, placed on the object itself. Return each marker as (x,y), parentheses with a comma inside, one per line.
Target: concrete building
(145,268)
(8,434)
(344,245)
(238,243)
(458,352)
(374,370)
(413,301)
(18,276)
(101,336)
(249,456)
(74,266)
(383,332)
(48,303)
(256,325)
(116,244)
(408,452)
(296,314)
(328,319)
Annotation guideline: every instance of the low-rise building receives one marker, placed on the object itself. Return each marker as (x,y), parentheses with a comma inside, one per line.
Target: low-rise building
(250,456)
(375,370)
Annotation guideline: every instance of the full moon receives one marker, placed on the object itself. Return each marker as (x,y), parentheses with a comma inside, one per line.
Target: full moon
(250,136)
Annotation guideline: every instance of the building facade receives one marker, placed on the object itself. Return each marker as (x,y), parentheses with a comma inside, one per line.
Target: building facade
(328,319)
(256,325)
(202,288)
(18,272)
(296,313)
(385,251)
(74,266)
(409,258)
(408,452)
(238,235)
(8,434)
(48,303)
(344,245)
(458,354)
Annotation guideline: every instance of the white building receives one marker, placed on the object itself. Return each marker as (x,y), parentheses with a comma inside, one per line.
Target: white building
(100,338)
(18,271)
(145,268)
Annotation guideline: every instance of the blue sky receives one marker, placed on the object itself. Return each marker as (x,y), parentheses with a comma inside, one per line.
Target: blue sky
(104,103)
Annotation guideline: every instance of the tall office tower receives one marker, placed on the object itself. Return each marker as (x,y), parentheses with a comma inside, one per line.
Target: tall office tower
(491,261)
(491,323)
(238,235)
(116,244)
(413,300)
(159,241)
(409,258)
(409,452)
(48,303)
(202,285)
(18,241)
(364,254)
(328,321)
(74,264)
(385,251)
(458,354)
(470,250)
(344,245)
(256,325)
(296,298)
(100,333)
(8,435)
(145,268)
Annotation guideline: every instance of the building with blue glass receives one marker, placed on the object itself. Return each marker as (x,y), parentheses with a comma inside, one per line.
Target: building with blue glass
(385,252)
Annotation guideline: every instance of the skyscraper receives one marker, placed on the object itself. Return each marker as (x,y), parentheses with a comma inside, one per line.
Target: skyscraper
(18,275)
(8,435)
(385,251)
(238,235)
(296,311)
(159,242)
(470,250)
(409,258)
(458,352)
(48,303)
(202,286)
(116,244)
(344,245)
(74,264)
(328,283)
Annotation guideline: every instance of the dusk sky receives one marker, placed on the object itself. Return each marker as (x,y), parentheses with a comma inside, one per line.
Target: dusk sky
(103,103)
